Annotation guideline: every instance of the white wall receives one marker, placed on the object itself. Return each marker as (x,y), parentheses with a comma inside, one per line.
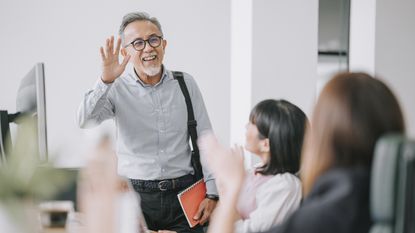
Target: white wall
(362,36)
(382,36)
(395,52)
(66,35)
(285,51)
(241,68)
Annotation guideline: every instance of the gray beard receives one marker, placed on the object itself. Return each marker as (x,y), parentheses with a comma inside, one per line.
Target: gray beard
(152,71)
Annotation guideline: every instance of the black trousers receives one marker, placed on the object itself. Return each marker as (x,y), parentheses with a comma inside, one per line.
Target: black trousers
(162,210)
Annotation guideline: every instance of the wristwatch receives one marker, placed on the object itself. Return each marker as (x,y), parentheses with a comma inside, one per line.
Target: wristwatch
(212,197)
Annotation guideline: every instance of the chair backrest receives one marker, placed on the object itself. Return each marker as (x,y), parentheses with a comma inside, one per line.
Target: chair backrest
(407,195)
(392,185)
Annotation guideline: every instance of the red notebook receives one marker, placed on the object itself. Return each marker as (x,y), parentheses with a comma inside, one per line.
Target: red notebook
(190,200)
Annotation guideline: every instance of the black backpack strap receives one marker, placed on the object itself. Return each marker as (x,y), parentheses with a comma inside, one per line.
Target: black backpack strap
(191,124)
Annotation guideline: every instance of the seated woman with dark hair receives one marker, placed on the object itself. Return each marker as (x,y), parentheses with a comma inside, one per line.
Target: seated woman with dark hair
(271,190)
(353,111)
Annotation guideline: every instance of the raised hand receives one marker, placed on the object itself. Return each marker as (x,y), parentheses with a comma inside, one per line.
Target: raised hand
(228,168)
(98,190)
(111,67)
(226,164)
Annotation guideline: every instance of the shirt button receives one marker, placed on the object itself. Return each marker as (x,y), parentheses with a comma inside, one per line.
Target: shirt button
(162,151)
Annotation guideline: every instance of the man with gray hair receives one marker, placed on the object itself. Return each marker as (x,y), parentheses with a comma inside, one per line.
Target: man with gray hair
(150,113)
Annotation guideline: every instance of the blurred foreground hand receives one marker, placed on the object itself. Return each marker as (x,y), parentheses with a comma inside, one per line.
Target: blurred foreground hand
(226,164)
(98,189)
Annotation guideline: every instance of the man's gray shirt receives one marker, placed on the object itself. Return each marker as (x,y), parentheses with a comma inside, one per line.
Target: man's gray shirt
(151,122)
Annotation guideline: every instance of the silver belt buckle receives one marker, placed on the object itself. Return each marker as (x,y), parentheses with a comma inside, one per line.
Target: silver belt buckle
(160,185)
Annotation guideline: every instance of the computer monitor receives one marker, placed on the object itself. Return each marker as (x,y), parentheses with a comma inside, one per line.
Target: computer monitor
(30,106)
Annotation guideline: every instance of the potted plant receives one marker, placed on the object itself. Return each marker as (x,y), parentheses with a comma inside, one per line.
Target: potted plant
(24,181)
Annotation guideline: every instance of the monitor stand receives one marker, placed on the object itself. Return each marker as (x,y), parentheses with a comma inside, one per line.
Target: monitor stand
(5,142)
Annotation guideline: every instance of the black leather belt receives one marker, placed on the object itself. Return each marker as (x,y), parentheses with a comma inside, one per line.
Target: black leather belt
(162,185)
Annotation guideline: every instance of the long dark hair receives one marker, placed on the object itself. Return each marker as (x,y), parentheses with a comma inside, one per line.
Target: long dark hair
(283,124)
(352,112)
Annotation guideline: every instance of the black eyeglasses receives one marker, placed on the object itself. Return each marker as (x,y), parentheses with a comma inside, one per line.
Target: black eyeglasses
(140,44)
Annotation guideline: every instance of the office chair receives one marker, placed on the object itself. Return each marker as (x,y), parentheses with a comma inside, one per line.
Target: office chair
(392,185)
(407,202)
